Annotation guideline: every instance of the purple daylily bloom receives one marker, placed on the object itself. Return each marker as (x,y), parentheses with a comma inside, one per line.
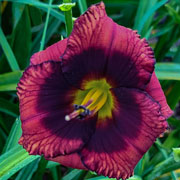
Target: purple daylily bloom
(92,101)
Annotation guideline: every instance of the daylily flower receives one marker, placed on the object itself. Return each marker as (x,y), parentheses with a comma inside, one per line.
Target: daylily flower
(92,101)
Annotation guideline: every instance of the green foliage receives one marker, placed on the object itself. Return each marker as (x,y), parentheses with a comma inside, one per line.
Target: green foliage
(176,153)
(168,71)
(66,6)
(28,26)
(14,160)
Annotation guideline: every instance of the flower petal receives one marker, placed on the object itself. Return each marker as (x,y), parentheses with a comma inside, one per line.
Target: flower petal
(45,99)
(98,47)
(71,160)
(155,91)
(115,149)
(53,53)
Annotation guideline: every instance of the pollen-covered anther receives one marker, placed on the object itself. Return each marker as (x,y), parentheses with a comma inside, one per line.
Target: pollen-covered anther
(94,100)
(77,113)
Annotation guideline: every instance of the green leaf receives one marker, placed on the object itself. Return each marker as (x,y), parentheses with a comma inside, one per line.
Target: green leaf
(177,56)
(27,172)
(36,15)
(140,167)
(8,107)
(41,168)
(8,87)
(17,11)
(106,178)
(33,3)
(163,31)
(14,136)
(14,160)
(158,169)
(42,6)
(54,173)
(173,96)
(172,140)
(8,52)
(82,6)
(101,178)
(71,175)
(66,6)
(175,123)
(163,167)
(118,3)
(45,26)
(167,71)
(143,7)
(173,13)
(165,155)
(52,164)
(8,81)
(176,154)
(21,42)
(3,125)
(135,178)
(52,28)
(149,13)
(55,13)
(3,137)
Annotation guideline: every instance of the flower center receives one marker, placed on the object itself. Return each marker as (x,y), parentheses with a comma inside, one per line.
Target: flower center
(96,98)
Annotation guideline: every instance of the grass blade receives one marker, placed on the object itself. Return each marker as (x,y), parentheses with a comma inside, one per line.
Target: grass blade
(27,172)
(14,160)
(8,81)
(17,11)
(33,3)
(71,175)
(82,6)
(14,136)
(8,107)
(165,166)
(173,96)
(168,71)
(45,26)
(8,52)
(106,178)
(177,56)
(149,13)
(42,6)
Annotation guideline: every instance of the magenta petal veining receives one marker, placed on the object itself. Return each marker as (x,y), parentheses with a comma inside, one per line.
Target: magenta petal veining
(92,101)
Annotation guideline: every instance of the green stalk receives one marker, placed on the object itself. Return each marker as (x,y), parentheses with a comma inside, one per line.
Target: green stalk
(68,19)
(45,27)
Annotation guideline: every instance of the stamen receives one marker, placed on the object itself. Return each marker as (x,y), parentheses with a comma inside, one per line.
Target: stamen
(71,116)
(78,112)
(92,102)
(96,105)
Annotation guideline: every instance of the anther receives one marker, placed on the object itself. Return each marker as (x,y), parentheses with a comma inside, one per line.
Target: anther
(75,113)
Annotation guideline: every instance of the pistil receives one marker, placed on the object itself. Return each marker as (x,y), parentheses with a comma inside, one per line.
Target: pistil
(92,103)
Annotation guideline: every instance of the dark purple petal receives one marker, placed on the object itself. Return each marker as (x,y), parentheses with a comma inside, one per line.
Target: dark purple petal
(53,53)
(71,160)
(118,145)
(45,99)
(155,91)
(98,47)
(87,46)
(131,60)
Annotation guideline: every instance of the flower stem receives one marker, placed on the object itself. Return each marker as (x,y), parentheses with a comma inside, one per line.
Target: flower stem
(68,19)
(45,26)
